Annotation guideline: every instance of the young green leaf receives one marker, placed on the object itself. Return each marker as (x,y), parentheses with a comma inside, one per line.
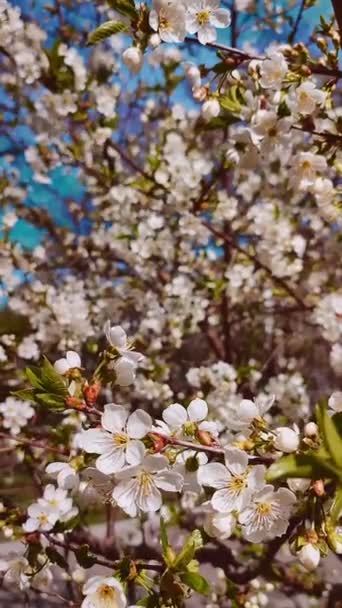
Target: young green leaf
(51,380)
(331,436)
(196,581)
(125,7)
(109,28)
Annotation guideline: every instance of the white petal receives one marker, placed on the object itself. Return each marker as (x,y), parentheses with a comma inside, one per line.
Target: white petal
(111,462)
(125,371)
(61,366)
(256,478)
(221,17)
(149,500)
(114,418)
(139,424)
(55,467)
(236,460)
(135,452)
(247,410)
(213,475)
(155,462)
(169,481)
(117,336)
(175,415)
(96,441)
(197,410)
(125,496)
(31,525)
(206,34)
(225,501)
(73,359)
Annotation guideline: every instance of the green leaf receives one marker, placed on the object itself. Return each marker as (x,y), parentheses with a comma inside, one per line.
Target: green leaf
(331,436)
(336,507)
(192,544)
(311,465)
(56,558)
(196,581)
(33,378)
(84,557)
(163,535)
(105,30)
(52,381)
(125,7)
(26,394)
(54,402)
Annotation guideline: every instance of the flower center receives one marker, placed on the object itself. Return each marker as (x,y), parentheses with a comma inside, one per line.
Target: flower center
(203,17)
(238,483)
(145,483)
(189,428)
(306,166)
(107,596)
(43,519)
(264,509)
(120,439)
(164,23)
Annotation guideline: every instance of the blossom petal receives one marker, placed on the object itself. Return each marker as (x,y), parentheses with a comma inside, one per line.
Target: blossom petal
(149,498)
(114,418)
(225,501)
(213,475)
(125,496)
(197,410)
(220,18)
(135,452)
(170,481)
(139,424)
(175,415)
(111,462)
(61,366)
(96,441)
(236,460)
(73,359)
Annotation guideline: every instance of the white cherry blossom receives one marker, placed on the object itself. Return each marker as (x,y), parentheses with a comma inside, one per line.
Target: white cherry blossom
(235,482)
(72,360)
(119,440)
(15,414)
(66,475)
(273,69)
(40,518)
(178,420)
(139,486)
(267,515)
(305,98)
(103,592)
(203,17)
(126,365)
(168,19)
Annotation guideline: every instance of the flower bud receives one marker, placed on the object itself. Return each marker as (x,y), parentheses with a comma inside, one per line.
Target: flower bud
(154,40)
(74,403)
(210,109)
(91,393)
(311,429)
(159,442)
(133,58)
(287,440)
(309,556)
